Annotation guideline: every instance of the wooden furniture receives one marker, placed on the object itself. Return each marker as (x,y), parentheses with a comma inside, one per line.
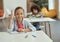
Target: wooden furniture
(2,15)
(1,8)
(56,6)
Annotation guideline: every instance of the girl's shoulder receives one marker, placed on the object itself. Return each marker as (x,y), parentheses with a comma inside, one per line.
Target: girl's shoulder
(25,22)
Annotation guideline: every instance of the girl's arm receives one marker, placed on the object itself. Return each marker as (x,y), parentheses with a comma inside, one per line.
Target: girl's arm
(10,25)
(29,26)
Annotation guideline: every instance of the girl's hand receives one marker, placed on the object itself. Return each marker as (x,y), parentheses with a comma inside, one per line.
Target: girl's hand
(11,16)
(10,20)
(20,30)
(38,15)
(24,30)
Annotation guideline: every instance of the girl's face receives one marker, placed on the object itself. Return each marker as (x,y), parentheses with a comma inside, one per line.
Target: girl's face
(19,14)
(35,11)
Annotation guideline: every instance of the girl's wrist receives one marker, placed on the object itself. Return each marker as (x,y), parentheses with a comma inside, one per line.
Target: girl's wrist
(10,21)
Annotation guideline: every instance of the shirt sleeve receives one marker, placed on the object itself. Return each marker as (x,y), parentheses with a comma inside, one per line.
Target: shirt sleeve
(10,30)
(31,26)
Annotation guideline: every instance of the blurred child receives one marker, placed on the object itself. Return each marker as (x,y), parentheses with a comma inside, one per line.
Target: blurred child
(35,13)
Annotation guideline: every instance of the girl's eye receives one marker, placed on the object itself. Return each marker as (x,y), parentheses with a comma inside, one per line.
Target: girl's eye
(17,14)
(21,13)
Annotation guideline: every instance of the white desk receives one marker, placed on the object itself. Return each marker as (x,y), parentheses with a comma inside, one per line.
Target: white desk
(20,37)
(41,20)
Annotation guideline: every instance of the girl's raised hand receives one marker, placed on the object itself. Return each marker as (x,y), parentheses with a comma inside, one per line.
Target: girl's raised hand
(12,15)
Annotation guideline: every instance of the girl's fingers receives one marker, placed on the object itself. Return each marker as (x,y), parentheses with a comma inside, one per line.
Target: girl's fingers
(20,30)
(12,16)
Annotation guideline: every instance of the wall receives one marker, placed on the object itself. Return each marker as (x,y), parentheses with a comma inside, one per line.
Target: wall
(12,4)
(51,4)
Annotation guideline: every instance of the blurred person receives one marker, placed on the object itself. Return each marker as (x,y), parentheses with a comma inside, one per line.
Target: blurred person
(18,23)
(35,14)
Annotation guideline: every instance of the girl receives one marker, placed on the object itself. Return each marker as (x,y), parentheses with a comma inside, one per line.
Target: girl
(19,24)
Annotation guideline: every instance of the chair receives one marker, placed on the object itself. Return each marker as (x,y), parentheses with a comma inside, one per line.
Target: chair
(51,13)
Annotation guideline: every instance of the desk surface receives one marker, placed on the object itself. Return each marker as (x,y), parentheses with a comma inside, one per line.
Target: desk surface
(39,19)
(38,36)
